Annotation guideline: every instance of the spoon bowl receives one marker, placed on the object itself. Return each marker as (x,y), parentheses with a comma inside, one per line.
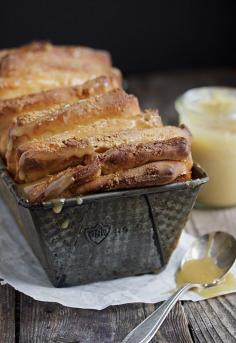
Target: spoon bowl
(220,248)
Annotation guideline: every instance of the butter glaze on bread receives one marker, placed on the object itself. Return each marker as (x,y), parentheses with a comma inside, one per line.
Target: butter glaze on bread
(38,56)
(40,66)
(9,109)
(53,186)
(43,124)
(151,174)
(90,180)
(134,155)
(11,87)
(38,158)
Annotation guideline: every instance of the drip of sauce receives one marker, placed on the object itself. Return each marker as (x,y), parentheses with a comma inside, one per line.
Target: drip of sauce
(227,285)
(65,224)
(79,200)
(57,206)
(205,271)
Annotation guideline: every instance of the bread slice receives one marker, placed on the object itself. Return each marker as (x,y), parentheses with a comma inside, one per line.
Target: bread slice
(86,179)
(53,186)
(11,108)
(150,174)
(131,156)
(41,66)
(44,124)
(11,87)
(43,56)
(122,149)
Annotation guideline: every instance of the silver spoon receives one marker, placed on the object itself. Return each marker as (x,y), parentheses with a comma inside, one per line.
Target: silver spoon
(221,247)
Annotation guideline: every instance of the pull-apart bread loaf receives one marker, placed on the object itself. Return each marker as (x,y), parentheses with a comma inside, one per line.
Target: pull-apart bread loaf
(83,138)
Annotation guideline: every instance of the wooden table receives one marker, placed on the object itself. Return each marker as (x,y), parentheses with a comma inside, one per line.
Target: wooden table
(25,320)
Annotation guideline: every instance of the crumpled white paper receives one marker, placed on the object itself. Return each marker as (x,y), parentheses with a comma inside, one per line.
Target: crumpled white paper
(20,269)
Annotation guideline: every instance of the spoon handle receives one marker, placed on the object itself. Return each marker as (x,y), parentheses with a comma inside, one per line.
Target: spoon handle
(146,330)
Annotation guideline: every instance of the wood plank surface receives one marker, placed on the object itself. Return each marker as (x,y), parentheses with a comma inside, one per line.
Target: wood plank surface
(175,328)
(213,320)
(43,323)
(7,314)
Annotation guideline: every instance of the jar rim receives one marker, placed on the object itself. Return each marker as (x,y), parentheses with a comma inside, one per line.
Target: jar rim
(186,100)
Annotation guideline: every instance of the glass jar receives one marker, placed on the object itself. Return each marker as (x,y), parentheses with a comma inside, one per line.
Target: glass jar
(210,114)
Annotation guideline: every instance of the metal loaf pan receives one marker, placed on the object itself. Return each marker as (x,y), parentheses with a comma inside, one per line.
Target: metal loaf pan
(107,235)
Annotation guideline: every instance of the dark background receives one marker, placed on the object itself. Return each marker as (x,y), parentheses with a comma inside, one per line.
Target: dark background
(141,35)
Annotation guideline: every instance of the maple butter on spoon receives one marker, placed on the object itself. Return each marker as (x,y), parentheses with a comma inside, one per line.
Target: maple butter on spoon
(204,268)
(208,262)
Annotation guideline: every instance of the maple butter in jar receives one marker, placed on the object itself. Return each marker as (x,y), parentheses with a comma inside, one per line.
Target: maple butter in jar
(210,114)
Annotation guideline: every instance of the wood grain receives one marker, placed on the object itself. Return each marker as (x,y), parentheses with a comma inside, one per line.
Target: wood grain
(213,320)
(7,314)
(43,323)
(174,329)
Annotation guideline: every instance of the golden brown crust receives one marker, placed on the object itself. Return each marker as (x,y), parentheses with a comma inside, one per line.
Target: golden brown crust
(43,124)
(151,174)
(86,179)
(10,108)
(134,155)
(106,133)
(36,101)
(38,158)
(41,164)
(11,87)
(53,186)
(40,66)
(140,134)
(35,57)
(113,103)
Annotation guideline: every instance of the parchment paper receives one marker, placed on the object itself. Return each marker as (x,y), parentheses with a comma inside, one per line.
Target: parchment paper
(20,269)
